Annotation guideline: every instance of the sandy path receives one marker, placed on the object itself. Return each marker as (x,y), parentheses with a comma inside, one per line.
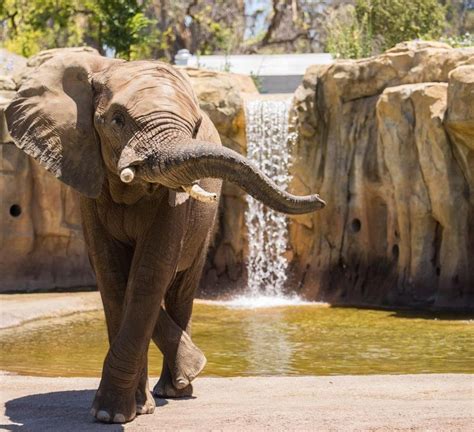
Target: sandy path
(17,309)
(342,403)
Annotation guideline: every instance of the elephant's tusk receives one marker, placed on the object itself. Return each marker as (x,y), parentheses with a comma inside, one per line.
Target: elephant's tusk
(127,174)
(198,193)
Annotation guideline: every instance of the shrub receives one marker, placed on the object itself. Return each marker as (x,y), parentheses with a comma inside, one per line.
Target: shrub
(463,41)
(373,26)
(347,37)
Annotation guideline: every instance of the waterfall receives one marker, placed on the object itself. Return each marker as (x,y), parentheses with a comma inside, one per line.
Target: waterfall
(268,146)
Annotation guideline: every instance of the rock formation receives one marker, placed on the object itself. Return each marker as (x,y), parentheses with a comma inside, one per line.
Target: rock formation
(388,141)
(41,244)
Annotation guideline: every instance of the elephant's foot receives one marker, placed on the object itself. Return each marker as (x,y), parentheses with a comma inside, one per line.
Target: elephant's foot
(144,399)
(184,359)
(112,405)
(187,365)
(166,390)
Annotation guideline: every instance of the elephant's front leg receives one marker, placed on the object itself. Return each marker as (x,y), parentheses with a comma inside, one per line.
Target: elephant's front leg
(123,369)
(153,268)
(143,397)
(111,261)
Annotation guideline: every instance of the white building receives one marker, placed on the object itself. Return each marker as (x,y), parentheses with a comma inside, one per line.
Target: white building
(275,73)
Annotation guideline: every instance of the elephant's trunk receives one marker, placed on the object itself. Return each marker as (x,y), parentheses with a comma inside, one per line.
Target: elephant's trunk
(196,160)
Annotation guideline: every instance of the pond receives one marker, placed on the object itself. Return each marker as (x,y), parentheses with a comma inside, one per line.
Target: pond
(295,340)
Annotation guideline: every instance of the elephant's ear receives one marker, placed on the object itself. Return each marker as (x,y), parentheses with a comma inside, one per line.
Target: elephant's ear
(51,119)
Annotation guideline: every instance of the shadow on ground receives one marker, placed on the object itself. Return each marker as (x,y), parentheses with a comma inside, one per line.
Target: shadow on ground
(412,313)
(434,315)
(56,411)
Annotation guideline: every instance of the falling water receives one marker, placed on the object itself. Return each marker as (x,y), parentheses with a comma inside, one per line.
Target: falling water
(268,146)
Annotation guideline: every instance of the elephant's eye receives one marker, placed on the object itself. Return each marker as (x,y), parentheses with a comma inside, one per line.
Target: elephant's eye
(118,120)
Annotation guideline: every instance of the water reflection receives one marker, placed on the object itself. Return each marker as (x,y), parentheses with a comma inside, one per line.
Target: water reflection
(269,349)
(296,340)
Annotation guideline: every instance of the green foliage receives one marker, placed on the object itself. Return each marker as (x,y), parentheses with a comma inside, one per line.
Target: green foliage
(217,35)
(399,20)
(202,26)
(122,25)
(373,26)
(33,25)
(346,36)
(134,29)
(464,41)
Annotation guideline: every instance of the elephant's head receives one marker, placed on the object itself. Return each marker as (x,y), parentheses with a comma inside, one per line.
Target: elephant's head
(85,117)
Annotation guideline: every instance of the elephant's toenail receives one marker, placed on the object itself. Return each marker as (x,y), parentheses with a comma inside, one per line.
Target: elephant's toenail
(119,418)
(140,409)
(103,416)
(181,383)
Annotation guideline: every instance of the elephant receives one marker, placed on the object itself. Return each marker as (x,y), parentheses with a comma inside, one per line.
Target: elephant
(148,163)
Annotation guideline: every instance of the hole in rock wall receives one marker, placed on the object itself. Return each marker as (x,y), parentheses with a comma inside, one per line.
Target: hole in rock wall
(15,210)
(436,247)
(355,225)
(395,251)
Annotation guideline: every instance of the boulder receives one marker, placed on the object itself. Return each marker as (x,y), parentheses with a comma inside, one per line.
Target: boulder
(459,119)
(390,148)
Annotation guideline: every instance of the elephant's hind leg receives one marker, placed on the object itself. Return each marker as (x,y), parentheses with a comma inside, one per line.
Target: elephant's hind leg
(180,355)
(186,361)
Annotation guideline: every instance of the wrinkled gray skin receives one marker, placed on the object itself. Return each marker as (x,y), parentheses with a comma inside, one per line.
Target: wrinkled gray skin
(85,118)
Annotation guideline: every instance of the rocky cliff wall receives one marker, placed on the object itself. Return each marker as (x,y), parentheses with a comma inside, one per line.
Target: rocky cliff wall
(388,142)
(41,243)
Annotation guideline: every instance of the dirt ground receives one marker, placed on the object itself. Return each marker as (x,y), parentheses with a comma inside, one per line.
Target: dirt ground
(340,403)
(17,309)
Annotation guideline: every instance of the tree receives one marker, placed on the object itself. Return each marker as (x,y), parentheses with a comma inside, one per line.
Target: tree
(29,26)
(291,26)
(120,25)
(201,26)
(134,29)
(32,25)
